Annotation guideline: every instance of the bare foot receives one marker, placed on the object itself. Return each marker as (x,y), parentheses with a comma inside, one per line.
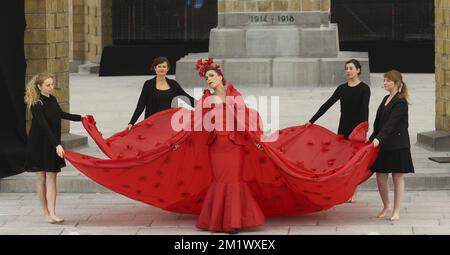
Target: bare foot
(57,219)
(49,219)
(395,216)
(383,212)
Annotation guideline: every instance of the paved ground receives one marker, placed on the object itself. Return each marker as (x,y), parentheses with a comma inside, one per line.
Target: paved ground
(106,214)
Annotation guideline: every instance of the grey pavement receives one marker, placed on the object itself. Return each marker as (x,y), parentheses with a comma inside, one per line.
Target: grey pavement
(112,100)
(423,213)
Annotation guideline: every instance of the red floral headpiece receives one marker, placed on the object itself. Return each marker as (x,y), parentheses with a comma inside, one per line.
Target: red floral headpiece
(209,62)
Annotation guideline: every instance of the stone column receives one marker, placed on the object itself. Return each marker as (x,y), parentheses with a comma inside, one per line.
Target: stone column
(92,30)
(440,138)
(47,47)
(98,28)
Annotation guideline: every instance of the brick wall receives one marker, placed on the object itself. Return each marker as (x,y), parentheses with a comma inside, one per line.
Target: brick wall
(442,64)
(92,28)
(47,45)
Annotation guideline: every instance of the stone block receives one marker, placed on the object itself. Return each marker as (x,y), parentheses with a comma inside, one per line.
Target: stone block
(272,42)
(319,42)
(252,72)
(264,19)
(295,5)
(61,20)
(226,42)
(438,140)
(310,5)
(280,5)
(51,5)
(264,6)
(295,72)
(36,21)
(220,6)
(62,49)
(238,6)
(89,68)
(70,141)
(33,6)
(36,66)
(325,5)
(251,6)
(36,36)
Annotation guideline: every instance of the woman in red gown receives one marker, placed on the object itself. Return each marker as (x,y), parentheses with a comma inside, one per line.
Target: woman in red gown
(229,203)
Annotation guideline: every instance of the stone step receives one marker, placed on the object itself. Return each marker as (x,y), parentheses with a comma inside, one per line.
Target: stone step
(89,68)
(25,183)
(72,141)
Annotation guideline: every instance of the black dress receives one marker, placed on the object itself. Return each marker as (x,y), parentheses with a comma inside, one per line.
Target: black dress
(45,135)
(354,106)
(391,129)
(154,100)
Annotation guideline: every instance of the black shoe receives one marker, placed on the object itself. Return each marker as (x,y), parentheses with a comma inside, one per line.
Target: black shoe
(233,231)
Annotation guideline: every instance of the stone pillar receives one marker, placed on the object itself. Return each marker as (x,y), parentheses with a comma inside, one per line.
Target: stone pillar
(440,138)
(98,26)
(92,30)
(47,47)
(275,43)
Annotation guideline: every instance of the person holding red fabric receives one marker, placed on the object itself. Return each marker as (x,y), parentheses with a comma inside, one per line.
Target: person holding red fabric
(158,93)
(354,96)
(44,154)
(390,132)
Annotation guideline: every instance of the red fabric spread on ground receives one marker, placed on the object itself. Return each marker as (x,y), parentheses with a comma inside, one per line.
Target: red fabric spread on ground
(304,170)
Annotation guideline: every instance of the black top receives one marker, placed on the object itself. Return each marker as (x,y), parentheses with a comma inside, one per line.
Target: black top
(391,124)
(45,135)
(154,100)
(354,106)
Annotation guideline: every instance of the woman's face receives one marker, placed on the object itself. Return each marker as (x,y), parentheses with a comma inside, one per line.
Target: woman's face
(213,79)
(162,69)
(47,86)
(351,71)
(389,85)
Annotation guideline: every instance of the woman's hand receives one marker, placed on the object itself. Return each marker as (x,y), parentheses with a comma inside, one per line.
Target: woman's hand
(60,151)
(129,127)
(375,143)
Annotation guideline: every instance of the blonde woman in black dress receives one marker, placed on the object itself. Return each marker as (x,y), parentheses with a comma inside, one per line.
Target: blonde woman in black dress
(44,154)
(391,134)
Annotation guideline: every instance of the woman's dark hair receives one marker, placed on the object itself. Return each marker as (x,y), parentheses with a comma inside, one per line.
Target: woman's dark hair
(211,68)
(356,63)
(160,60)
(218,72)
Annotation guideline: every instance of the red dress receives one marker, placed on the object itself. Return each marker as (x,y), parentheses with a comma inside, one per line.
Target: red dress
(171,162)
(229,203)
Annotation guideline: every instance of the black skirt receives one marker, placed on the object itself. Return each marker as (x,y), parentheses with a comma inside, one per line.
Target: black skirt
(394,161)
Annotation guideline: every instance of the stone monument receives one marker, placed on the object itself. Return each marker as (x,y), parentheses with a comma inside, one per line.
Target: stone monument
(274,43)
